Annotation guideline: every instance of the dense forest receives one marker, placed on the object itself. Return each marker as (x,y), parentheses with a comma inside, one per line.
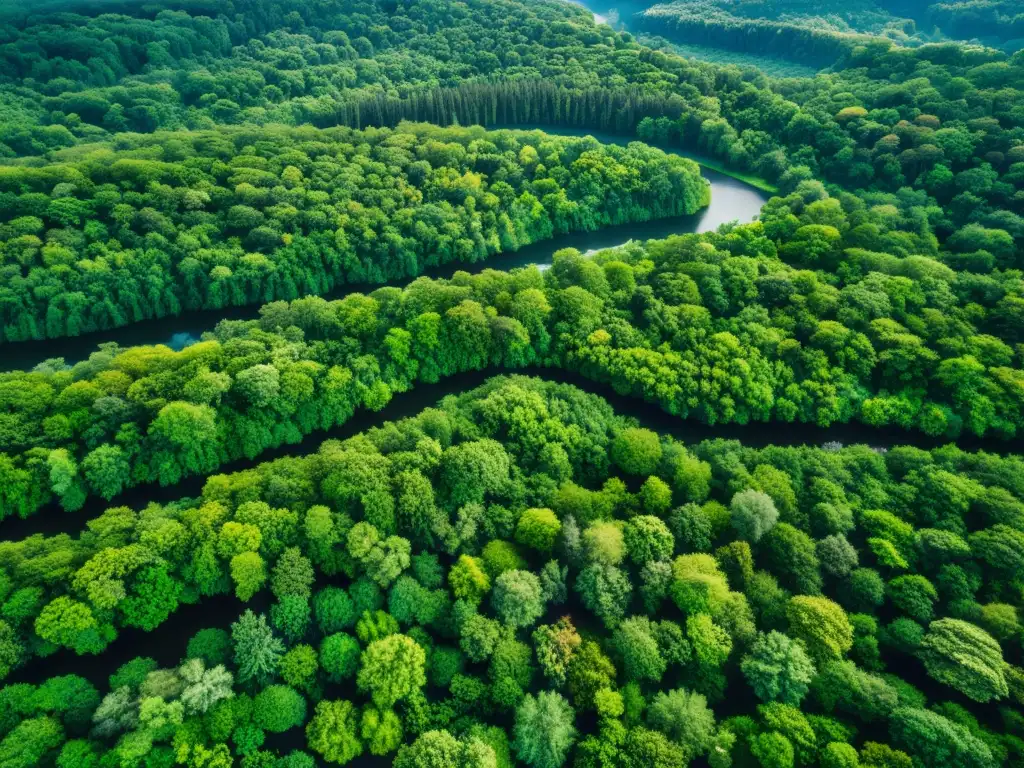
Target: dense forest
(999,23)
(804,36)
(529,574)
(947,120)
(164,223)
(841,320)
(518,575)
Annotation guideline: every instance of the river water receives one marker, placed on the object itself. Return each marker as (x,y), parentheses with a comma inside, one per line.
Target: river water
(731,200)
(614,13)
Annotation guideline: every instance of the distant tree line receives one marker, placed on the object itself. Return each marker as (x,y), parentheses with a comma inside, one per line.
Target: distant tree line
(708,23)
(944,119)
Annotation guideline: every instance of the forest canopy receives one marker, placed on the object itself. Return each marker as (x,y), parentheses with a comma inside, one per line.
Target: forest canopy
(160,224)
(522,554)
(224,569)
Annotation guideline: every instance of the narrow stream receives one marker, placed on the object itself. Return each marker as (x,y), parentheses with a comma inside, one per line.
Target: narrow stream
(53,520)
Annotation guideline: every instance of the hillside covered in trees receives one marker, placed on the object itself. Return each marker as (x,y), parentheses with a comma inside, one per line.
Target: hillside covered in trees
(206,561)
(825,36)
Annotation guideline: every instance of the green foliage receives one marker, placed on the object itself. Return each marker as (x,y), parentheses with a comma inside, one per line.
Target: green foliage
(30,741)
(292,576)
(439,747)
(211,645)
(914,595)
(778,668)
(500,556)
(238,688)
(822,625)
(249,574)
(538,529)
(278,707)
(517,598)
(334,610)
(257,652)
(604,543)
(932,739)
(299,667)
(381,731)
(606,591)
(291,617)
(772,750)
(468,579)
(839,755)
(636,451)
(791,723)
(544,730)
(375,625)
(635,644)
(588,672)
(753,514)
(964,657)
(478,637)
(555,645)
(647,539)
(792,556)
(203,687)
(391,669)
(685,718)
(339,656)
(333,732)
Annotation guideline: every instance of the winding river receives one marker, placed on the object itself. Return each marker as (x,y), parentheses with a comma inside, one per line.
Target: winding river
(52,520)
(731,200)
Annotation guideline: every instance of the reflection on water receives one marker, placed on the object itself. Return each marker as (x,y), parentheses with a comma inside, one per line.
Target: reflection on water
(615,13)
(180,340)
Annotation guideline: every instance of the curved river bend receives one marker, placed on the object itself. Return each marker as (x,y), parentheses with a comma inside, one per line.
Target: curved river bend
(731,200)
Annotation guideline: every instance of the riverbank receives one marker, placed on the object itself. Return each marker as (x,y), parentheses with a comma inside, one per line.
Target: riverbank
(706,162)
(731,200)
(718,167)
